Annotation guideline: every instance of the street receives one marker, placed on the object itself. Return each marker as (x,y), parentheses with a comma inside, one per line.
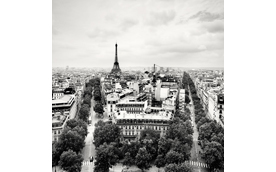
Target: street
(195,148)
(89,149)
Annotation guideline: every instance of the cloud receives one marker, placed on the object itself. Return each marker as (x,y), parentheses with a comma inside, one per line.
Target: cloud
(102,33)
(160,18)
(205,16)
(128,23)
(202,47)
(110,17)
(175,49)
(54,31)
(214,27)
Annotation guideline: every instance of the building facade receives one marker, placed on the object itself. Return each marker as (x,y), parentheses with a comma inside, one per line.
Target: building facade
(131,125)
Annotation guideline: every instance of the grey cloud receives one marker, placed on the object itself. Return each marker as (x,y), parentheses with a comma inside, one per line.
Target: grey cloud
(101,33)
(175,49)
(205,16)
(54,31)
(128,23)
(214,27)
(161,18)
(63,46)
(110,17)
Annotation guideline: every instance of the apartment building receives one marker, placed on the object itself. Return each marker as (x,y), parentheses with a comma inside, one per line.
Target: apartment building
(132,124)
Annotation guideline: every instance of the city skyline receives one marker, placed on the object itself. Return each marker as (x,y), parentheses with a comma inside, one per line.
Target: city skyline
(187,34)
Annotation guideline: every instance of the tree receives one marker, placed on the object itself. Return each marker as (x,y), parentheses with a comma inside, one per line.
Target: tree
(88,91)
(84,112)
(177,167)
(213,154)
(187,99)
(150,134)
(105,157)
(205,131)
(106,133)
(182,148)
(97,94)
(174,157)
(80,131)
(72,123)
(178,129)
(202,121)
(160,161)
(150,147)
(142,159)
(171,168)
(70,161)
(100,123)
(164,146)
(87,100)
(71,140)
(128,160)
(55,155)
(98,108)
(132,148)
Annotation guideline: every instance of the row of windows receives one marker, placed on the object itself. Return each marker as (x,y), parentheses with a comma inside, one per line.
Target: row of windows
(57,125)
(58,94)
(143,127)
(141,121)
(131,109)
(57,131)
(112,102)
(132,133)
(130,105)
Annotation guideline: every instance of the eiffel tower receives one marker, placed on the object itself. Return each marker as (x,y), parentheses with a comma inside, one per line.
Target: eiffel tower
(116,69)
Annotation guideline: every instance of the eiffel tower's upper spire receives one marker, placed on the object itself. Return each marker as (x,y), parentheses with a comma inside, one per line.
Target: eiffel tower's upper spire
(116,57)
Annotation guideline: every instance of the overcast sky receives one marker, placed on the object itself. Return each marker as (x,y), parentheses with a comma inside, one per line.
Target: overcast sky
(169,33)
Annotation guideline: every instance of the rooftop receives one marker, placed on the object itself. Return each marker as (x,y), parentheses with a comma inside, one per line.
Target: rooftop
(165,115)
(63,99)
(112,96)
(56,120)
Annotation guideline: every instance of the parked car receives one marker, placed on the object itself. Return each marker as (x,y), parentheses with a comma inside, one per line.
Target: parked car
(91,159)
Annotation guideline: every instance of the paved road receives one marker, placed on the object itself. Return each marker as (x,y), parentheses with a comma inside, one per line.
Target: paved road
(89,149)
(195,148)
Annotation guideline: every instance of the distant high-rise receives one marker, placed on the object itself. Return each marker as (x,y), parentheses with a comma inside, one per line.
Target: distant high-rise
(116,68)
